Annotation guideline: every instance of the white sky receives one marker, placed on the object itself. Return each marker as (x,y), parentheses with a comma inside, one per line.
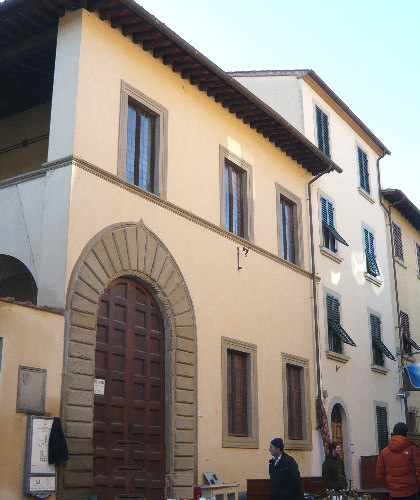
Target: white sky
(367,52)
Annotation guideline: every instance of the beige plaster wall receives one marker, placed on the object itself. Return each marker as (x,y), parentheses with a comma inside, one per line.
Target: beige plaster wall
(196,128)
(32,338)
(265,303)
(27,125)
(408,283)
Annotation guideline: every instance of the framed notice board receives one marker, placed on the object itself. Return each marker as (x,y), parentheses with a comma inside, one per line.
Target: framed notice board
(40,476)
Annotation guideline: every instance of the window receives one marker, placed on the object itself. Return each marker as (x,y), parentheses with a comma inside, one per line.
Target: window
(287,229)
(378,347)
(371,264)
(236,205)
(294,376)
(140,153)
(240,423)
(408,342)
(143,141)
(322,131)
(237,397)
(329,233)
(418,258)
(234,199)
(296,403)
(363,170)
(382,426)
(398,247)
(336,333)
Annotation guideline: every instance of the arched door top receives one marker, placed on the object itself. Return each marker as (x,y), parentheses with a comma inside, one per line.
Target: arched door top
(127,250)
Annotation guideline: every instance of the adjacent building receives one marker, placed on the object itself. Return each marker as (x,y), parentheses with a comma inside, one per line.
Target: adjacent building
(358,357)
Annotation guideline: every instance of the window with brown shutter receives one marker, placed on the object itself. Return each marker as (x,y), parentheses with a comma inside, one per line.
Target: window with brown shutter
(237,393)
(294,401)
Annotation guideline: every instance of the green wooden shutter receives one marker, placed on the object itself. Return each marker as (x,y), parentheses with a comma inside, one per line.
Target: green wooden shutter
(363,170)
(382,427)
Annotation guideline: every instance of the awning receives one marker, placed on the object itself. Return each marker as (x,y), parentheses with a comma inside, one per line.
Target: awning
(411,374)
(378,342)
(339,330)
(333,231)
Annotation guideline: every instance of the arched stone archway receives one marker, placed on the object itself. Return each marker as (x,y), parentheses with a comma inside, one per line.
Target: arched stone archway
(127,250)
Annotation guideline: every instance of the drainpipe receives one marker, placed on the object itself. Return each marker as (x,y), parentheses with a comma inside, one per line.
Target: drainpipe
(315,299)
(397,301)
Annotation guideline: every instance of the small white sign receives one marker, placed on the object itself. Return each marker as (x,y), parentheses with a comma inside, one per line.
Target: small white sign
(40,436)
(42,483)
(99,386)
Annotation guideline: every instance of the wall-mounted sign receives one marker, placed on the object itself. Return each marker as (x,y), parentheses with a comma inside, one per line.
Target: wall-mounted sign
(99,386)
(40,476)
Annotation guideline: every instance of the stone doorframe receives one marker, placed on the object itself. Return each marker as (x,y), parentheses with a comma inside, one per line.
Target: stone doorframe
(131,250)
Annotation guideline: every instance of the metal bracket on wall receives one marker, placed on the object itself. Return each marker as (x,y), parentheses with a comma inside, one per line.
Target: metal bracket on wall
(238,250)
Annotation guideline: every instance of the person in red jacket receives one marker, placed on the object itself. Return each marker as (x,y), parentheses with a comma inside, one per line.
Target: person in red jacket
(398,466)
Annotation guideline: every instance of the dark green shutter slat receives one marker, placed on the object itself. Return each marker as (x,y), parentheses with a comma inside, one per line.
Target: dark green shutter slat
(336,235)
(363,170)
(405,329)
(382,427)
(344,336)
(383,348)
(371,264)
(324,212)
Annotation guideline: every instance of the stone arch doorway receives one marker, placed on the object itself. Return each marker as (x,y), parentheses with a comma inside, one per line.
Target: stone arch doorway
(128,250)
(129,407)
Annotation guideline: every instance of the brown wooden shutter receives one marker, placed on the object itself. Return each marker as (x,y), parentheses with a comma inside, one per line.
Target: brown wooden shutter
(294,401)
(237,394)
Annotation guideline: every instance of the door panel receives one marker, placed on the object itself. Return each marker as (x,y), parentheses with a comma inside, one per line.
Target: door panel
(129,423)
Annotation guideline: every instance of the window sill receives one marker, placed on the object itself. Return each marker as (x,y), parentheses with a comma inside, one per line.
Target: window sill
(331,255)
(379,369)
(366,195)
(297,444)
(337,356)
(372,279)
(239,442)
(400,262)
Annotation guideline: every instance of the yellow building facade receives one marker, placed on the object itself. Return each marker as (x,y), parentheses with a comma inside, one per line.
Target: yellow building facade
(162,207)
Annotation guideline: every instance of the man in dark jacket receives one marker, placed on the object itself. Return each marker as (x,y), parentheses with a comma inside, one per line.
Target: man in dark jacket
(398,466)
(284,474)
(333,472)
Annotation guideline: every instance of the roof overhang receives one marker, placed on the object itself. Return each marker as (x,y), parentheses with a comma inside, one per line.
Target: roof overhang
(24,20)
(403,205)
(324,91)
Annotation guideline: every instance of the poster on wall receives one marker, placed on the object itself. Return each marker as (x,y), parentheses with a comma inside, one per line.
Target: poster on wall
(40,476)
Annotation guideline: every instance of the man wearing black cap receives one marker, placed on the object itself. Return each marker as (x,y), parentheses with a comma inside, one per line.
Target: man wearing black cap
(398,466)
(284,474)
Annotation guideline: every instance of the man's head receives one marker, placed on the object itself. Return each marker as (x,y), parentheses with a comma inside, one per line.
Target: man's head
(276,447)
(400,429)
(334,448)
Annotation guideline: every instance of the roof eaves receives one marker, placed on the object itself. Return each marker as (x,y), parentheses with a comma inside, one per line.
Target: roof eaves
(403,205)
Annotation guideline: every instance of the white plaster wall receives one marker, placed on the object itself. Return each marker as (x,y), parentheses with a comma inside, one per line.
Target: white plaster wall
(282,93)
(353,382)
(34,230)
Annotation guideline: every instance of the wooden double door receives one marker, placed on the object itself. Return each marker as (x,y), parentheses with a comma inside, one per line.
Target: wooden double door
(129,407)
